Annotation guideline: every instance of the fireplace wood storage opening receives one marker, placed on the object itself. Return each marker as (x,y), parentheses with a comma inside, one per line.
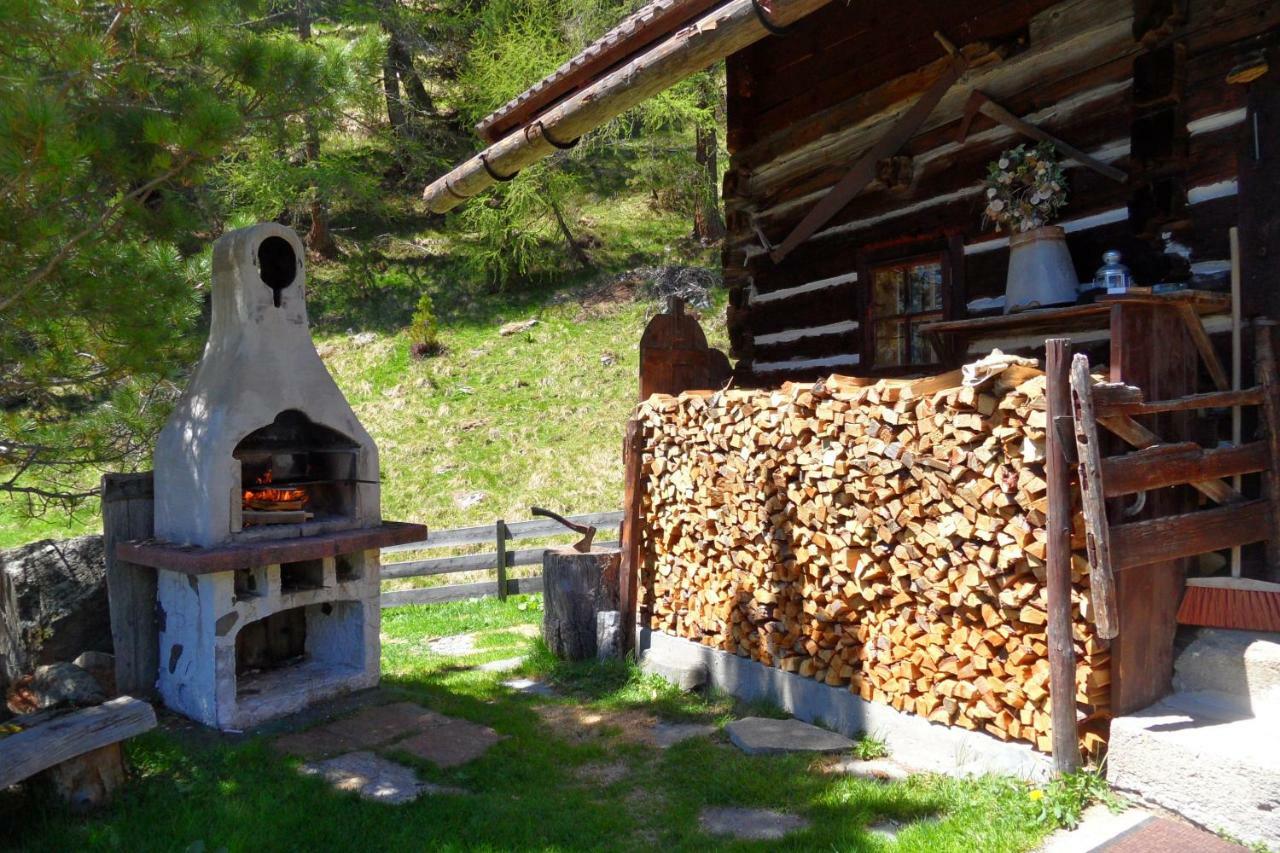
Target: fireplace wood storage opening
(267,509)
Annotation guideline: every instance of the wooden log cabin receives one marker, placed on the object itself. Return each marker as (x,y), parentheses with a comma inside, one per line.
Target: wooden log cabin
(898,274)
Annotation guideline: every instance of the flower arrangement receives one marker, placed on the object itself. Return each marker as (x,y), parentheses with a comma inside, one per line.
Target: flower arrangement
(1025,188)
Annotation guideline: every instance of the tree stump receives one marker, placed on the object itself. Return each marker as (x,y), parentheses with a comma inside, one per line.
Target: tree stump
(575,587)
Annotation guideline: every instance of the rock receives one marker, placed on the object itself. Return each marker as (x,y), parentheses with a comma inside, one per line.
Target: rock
(750,824)
(458,644)
(55,685)
(529,686)
(364,339)
(876,769)
(468,499)
(503,665)
(102,667)
(517,327)
(669,734)
(374,778)
(764,736)
(53,604)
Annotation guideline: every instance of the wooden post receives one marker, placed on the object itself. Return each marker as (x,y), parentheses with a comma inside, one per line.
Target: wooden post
(501,533)
(1263,329)
(575,588)
(1062,659)
(128,512)
(628,582)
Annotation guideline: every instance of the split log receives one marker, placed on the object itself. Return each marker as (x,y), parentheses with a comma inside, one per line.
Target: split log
(576,587)
(71,736)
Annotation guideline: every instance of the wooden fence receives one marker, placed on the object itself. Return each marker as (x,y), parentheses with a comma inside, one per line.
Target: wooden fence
(501,559)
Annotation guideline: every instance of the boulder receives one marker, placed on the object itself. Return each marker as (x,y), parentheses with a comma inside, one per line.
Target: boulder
(53,686)
(53,604)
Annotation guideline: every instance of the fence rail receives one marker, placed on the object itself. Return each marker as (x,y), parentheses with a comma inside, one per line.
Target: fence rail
(500,559)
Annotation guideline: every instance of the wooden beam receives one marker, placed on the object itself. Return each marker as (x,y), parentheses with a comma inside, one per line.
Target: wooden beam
(633,498)
(1211,400)
(1138,436)
(1062,664)
(1204,346)
(1158,540)
(723,31)
(1263,330)
(1102,582)
(864,169)
(128,513)
(1175,464)
(26,753)
(979,102)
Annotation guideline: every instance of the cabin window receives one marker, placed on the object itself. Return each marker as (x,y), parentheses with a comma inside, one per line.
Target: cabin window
(904,296)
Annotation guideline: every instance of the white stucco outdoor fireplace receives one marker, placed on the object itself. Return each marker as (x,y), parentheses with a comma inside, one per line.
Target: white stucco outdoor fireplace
(267,515)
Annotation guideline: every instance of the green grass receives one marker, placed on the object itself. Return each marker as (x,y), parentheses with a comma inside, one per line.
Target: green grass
(534,418)
(538,789)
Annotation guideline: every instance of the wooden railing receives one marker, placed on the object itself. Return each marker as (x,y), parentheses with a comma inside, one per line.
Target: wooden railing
(500,559)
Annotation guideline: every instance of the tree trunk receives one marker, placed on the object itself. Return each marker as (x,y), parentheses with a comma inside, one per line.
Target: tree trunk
(402,60)
(576,587)
(708,224)
(319,240)
(391,90)
(575,248)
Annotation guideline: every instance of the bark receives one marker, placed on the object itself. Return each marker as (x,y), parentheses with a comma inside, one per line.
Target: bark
(319,239)
(402,60)
(576,587)
(708,224)
(391,91)
(578,253)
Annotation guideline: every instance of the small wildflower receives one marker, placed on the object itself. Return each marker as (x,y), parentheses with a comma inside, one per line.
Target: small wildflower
(1037,794)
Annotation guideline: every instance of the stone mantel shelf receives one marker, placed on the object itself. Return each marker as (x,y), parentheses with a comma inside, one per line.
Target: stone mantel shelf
(194,560)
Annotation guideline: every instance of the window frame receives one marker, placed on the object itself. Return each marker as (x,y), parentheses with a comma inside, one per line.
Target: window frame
(866,273)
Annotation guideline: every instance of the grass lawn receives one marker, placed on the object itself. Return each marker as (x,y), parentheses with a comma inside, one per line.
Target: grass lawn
(568,776)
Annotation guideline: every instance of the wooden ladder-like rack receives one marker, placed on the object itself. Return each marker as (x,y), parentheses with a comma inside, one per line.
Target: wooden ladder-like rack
(1154,464)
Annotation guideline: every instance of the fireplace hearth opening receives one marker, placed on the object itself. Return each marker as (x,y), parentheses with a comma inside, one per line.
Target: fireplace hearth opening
(294,471)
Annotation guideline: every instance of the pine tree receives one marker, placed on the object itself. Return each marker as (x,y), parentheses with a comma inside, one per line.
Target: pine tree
(110,120)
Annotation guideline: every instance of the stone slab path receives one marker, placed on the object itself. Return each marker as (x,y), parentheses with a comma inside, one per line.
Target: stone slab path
(750,824)
(531,686)
(503,665)
(1134,830)
(876,769)
(765,736)
(344,751)
(374,778)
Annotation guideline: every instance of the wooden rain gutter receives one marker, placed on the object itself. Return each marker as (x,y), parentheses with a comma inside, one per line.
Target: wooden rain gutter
(700,44)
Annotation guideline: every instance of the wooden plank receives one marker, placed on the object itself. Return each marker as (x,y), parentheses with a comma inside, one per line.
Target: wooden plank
(193,560)
(1263,332)
(1062,665)
(466,563)
(633,496)
(1204,346)
(1191,402)
(1097,539)
(28,752)
(1175,464)
(1138,436)
(1156,540)
(482,533)
(128,512)
(458,592)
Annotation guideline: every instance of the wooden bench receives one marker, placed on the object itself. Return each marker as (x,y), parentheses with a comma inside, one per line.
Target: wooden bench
(81,747)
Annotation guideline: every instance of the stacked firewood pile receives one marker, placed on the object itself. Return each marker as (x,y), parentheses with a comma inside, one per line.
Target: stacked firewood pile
(887,537)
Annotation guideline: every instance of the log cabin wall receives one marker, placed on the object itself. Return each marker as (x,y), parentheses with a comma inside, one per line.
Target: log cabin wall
(1141,85)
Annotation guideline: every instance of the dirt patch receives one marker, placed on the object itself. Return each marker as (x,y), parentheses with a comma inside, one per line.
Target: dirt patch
(603,774)
(610,297)
(576,724)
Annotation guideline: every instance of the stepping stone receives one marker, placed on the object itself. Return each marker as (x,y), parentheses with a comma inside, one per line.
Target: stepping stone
(504,665)
(374,778)
(877,770)
(669,734)
(529,686)
(451,742)
(455,646)
(885,830)
(368,729)
(764,736)
(686,676)
(750,824)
